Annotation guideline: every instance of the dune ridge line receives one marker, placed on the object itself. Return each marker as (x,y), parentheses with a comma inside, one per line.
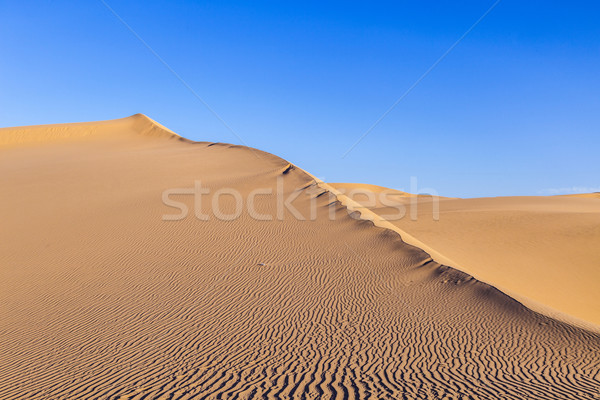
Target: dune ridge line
(368,215)
(139,124)
(129,305)
(145,126)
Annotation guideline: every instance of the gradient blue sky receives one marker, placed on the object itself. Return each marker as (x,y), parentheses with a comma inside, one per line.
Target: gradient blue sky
(514,109)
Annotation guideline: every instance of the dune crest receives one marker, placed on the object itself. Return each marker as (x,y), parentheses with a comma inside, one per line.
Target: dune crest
(543,251)
(104,298)
(122,128)
(593,195)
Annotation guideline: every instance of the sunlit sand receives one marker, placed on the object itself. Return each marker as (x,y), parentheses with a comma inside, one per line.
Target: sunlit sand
(104,296)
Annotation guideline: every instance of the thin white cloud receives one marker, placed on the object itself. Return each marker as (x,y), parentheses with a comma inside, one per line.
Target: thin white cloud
(569,190)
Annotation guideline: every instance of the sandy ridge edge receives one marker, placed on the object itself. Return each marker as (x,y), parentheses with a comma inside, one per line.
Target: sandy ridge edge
(145,125)
(368,215)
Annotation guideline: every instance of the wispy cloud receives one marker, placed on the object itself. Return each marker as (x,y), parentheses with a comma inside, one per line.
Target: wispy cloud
(570,190)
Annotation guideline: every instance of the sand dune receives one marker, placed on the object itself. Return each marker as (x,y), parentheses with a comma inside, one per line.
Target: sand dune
(594,195)
(544,251)
(135,126)
(102,298)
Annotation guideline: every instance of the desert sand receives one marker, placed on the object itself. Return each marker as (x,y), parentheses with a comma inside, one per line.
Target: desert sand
(107,294)
(542,250)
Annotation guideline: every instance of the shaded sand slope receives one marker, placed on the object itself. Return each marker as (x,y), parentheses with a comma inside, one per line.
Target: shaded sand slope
(544,251)
(101,298)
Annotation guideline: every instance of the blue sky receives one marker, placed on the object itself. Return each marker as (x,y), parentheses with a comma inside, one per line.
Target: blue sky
(514,109)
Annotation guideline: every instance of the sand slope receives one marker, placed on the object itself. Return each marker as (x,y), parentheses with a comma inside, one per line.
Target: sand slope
(136,126)
(545,251)
(102,298)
